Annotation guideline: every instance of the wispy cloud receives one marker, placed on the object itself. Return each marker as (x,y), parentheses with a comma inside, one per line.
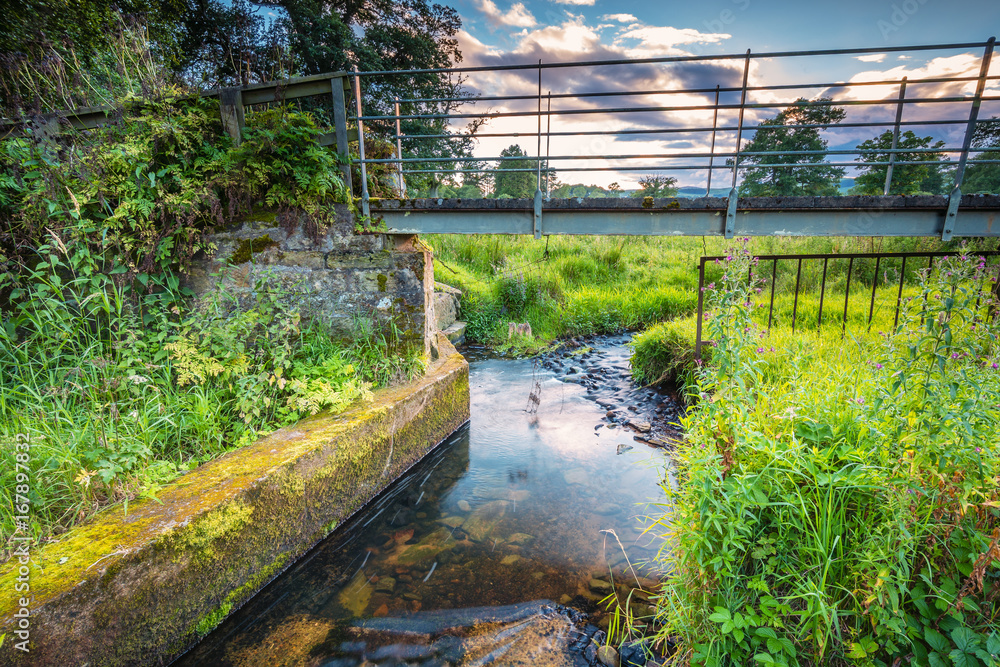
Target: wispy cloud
(621,18)
(871,58)
(517,16)
(665,40)
(588,3)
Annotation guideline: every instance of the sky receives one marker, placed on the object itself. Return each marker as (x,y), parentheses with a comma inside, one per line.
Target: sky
(498,32)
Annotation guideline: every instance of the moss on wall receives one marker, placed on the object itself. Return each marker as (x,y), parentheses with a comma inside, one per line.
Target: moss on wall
(122,589)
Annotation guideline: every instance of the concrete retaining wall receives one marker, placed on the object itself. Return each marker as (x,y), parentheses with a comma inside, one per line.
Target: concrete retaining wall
(139,589)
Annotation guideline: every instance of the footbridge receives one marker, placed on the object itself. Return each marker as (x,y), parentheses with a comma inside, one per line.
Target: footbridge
(788,125)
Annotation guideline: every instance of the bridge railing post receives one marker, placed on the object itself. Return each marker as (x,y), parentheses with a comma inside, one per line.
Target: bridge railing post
(231,111)
(337,87)
(365,210)
(730,228)
(956,194)
(895,136)
(711,153)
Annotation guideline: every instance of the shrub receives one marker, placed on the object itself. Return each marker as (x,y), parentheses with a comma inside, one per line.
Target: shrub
(838,503)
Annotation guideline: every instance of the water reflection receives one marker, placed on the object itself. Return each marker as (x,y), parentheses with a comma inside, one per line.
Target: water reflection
(512,509)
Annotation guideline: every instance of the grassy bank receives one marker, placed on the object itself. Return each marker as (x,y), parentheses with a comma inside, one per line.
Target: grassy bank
(838,497)
(565,286)
(112,381)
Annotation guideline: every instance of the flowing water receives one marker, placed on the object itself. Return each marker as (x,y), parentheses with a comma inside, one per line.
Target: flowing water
(496,549)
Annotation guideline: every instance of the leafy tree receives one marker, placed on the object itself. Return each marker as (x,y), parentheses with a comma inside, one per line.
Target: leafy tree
(510,183)
(984,177)
(906,179)
(657,186)
(774,135)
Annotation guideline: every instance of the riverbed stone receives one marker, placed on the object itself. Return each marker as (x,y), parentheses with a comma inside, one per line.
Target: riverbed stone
(142,587)
(608,656)
(600,586)
(483,521)
(464,506)
(576,476)
(520,538)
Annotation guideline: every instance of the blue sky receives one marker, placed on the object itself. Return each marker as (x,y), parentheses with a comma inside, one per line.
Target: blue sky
(497,32)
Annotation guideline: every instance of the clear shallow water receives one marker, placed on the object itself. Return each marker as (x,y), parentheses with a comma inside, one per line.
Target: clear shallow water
(493,550)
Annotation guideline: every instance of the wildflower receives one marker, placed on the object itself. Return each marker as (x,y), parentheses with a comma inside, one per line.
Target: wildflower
(760,350)
(877,366)
(994,365)
(979,450)
(83,479)
(138,379)
(729,258)
(772,348)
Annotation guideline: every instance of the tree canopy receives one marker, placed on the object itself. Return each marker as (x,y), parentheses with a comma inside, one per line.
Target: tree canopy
(511,183)
(981,178)
(657,186)
(907,179)
(775,136)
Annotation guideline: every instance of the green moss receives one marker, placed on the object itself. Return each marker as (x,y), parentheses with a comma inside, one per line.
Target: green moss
(383,280)
(200,539)
(250,247)
(227,528)
(647,202)
(211,621)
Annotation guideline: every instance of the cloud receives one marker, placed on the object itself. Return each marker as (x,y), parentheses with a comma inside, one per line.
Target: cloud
(517,16)
(665,40)
(871,58)
(621,18)
(588,3)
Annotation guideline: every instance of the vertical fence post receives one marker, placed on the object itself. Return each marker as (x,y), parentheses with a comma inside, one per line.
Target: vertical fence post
(365,210)
(548,140)
(231,111)
(871,306)
(399,150)
(895,136)
(899,294)
(956,194)
(701,309)
(822,293)
(536,209)
(847,296)
(340,128)
(733,196)
(711,153)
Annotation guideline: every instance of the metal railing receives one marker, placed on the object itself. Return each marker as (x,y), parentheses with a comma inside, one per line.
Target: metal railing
(851,259)
(933,109)
(725,151)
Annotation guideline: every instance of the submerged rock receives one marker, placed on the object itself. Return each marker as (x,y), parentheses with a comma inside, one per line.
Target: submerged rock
(483,521)
(607,655)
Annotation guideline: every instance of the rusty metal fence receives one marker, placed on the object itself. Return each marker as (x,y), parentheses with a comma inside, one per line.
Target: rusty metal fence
(852,260)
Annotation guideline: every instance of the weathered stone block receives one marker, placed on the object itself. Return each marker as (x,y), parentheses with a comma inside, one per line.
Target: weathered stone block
(139,589)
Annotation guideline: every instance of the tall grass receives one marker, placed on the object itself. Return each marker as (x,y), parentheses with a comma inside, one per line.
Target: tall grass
(837,499)
(579,285)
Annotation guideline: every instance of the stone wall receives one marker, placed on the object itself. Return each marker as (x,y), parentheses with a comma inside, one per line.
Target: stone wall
(337,275)
(138,588)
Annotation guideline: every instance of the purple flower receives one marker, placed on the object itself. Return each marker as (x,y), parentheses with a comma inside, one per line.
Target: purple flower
(877,366)
(729,258)
(979,450)
(759,350)
(995,365)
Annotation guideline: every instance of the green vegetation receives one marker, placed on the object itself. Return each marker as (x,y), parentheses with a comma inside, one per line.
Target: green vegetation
(837,499)
(907,179)
(117,379)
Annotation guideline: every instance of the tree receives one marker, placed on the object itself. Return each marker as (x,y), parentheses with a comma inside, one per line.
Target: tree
(774,135)
(906,179)
(981,178)
(657,186)
(515,184)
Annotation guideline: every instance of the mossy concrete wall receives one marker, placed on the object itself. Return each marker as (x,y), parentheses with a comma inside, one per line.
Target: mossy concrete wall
(138,589)
(333,273)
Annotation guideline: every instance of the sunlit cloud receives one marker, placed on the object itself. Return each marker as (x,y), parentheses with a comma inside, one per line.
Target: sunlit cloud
(620,18)
(588,3)
(665,40)
(517,16)
(871,58)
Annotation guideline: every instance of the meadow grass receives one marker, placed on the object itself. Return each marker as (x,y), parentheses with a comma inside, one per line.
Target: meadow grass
(837,499)
(567,286)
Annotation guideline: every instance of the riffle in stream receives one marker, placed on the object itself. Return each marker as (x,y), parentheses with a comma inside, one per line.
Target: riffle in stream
(497,548)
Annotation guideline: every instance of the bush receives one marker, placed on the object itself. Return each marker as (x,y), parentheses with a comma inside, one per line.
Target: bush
(837,502)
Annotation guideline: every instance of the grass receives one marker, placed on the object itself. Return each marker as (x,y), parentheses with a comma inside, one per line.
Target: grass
(567,286)
(838,496)
(103,401)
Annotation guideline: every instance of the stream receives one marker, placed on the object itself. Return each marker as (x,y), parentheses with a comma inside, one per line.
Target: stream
(499,547)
